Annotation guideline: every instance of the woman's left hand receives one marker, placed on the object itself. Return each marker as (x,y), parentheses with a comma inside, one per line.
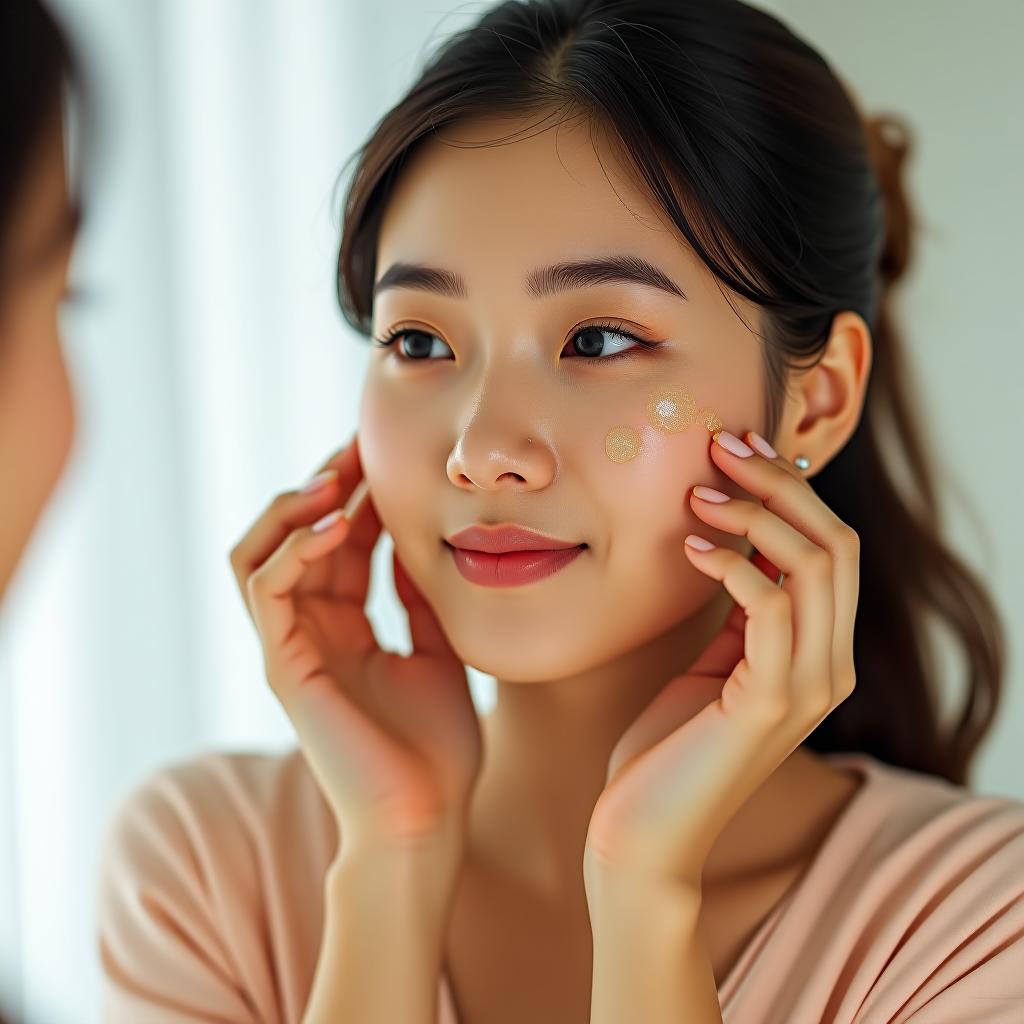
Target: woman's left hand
(780,665)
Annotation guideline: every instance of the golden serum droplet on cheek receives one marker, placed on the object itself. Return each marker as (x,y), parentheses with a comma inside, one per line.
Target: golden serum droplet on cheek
(621,444)
(671,408)
(710,419)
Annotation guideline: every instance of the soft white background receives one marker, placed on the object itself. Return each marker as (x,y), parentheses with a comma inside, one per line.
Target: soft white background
(213,370)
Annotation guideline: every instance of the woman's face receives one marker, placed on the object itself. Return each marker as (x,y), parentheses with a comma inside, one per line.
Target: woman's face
(36,404)
(498,418)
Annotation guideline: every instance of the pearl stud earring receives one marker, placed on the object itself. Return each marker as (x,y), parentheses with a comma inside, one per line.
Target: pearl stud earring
(801,462)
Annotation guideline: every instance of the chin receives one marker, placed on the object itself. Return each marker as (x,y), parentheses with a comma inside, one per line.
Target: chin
(514,661)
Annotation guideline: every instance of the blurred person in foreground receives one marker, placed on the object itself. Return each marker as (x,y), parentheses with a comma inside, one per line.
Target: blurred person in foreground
(39,219)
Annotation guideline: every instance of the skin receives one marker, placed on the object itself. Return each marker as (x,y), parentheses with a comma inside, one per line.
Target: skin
(37,412)
(504,421)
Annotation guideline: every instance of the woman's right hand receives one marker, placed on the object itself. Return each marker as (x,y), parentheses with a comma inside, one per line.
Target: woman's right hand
(393,740)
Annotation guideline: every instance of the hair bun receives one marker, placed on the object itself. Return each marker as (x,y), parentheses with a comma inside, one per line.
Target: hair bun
(889,140)
(889,143)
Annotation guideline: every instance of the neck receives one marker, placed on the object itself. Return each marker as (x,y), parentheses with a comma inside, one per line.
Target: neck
(547,747)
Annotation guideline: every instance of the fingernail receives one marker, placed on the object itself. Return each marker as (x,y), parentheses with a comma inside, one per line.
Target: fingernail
(328,521)
(355,501)
(320,480)
(732,443)
(709,493)
(762,445)
(698,542)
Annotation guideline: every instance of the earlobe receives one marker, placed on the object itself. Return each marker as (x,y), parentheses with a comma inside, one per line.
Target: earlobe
(825,401)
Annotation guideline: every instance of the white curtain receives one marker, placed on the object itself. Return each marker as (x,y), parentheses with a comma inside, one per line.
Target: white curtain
(214,370)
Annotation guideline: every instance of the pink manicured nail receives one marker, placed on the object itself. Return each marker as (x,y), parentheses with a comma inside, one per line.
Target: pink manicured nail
(730,442)
(762,445)
(328,521)
(320,480)
(698,542)
(709,493)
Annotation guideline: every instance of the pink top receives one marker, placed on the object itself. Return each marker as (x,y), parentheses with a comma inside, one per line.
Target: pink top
(210,904)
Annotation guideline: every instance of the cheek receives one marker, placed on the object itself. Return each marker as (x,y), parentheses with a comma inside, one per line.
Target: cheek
(645,456)
(648,440)
(36,395)
(674,408)
(58,419)
(669,409)
(37,423)
(644,497)
(397,461)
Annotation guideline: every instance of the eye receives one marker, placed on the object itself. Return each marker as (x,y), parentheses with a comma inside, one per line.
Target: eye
(592,342)
(420,343)
(590,347)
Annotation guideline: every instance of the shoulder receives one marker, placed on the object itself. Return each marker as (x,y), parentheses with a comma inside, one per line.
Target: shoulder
(248,787)
(934,874)
(210,886)
(215,827)
(911,833)
(211,808)
(926,817)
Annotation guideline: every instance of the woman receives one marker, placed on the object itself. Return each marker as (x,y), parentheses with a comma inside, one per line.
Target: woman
(702,794)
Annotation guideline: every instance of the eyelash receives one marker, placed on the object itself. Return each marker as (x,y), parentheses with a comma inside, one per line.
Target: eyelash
(615,327)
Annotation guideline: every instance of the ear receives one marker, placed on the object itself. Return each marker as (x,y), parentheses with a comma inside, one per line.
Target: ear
(825,401)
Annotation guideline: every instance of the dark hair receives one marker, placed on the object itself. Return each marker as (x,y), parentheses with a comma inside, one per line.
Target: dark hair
(748,140)
(36,62)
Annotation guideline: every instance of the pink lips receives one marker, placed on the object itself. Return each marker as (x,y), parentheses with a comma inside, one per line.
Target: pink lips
(509,556)
(511,569)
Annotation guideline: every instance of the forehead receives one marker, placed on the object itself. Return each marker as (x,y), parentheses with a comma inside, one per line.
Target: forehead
(498,194)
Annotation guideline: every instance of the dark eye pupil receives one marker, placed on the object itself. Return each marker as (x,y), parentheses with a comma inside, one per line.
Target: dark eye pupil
(594,345)
(410,348)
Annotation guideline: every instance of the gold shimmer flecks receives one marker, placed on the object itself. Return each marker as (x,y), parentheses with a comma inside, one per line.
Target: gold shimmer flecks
(710,419)
(621,444)
(671,408)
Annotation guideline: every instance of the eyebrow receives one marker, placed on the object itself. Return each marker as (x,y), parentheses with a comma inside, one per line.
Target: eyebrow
(558,277)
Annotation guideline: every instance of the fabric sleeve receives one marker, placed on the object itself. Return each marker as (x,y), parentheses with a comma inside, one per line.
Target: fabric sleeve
(969,950)
(161,946)
(992,989)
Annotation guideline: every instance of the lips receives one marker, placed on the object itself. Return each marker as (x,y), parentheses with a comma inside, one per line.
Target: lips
(513,568)
(501,539)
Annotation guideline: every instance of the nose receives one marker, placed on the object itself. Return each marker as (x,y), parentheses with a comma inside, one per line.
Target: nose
(503,443)
(494,459)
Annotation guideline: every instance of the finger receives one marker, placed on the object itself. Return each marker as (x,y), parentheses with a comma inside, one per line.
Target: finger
(843,545)
(346,574)
(783,488)
(808,581)
(292,509)
(288,511)
(769,568)
(271,587)
(780,486)
(768,632)
(846,576)
(425,630)
(720,655)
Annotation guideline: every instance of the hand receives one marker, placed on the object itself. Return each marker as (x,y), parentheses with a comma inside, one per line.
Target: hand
(394,741)
(780,665)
